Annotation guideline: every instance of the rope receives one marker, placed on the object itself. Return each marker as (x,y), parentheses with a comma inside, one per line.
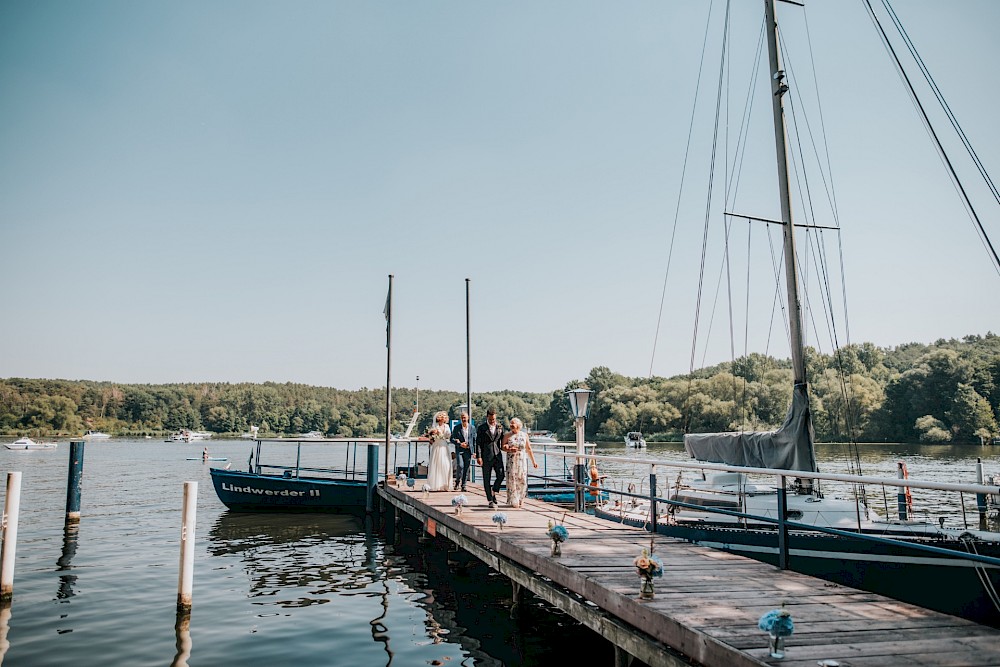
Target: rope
(956,181)
(680,190)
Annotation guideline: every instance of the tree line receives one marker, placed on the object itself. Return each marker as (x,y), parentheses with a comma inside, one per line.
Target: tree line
(948,391)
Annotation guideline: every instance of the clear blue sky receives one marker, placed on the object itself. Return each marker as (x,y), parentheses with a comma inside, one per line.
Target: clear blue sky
(196,191)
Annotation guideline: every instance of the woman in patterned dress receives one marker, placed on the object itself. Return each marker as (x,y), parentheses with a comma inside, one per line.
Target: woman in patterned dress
(518,448)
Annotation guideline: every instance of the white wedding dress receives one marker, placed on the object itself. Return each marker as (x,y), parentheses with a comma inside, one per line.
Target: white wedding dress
(439,468)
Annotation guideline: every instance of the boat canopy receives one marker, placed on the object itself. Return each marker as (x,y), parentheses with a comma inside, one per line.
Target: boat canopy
(788,448)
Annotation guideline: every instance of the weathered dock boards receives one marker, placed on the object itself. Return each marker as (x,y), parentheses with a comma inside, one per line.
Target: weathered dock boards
(707,603)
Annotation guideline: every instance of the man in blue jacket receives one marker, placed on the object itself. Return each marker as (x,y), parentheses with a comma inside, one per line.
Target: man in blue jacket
(464,439)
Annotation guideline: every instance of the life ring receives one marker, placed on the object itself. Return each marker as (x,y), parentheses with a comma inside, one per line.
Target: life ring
(595,480)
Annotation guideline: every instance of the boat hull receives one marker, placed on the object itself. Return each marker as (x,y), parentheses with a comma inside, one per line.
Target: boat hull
(948,584)
(251,492)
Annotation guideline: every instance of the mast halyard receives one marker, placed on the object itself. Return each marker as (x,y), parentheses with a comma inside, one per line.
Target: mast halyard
(778,90)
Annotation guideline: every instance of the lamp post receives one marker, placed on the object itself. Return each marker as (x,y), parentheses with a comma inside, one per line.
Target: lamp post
(579,403)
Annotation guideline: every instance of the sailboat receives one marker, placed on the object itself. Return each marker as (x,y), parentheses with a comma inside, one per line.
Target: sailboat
(938,579)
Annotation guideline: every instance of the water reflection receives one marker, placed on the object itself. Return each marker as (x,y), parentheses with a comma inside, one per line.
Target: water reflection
(4,629)
(319,556)
(71,534)
(182,632)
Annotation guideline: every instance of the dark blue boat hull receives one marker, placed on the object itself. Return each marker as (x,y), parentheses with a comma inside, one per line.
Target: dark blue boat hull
(251,492)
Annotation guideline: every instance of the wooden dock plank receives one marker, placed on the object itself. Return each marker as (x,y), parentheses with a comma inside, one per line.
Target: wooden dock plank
(708,602)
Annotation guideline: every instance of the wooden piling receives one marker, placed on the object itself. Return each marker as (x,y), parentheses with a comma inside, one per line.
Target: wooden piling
(11,509)
(185,579)
(73,480)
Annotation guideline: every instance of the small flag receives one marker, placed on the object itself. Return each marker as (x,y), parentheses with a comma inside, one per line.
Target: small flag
(385,310)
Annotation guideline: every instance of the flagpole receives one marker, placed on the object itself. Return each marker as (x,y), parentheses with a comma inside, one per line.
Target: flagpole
(388,375)
(468,365)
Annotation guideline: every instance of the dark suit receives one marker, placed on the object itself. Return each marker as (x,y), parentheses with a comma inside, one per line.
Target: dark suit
(488,449)
(463,455)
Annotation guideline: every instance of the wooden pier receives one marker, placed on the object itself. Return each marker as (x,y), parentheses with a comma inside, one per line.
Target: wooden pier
(707,603)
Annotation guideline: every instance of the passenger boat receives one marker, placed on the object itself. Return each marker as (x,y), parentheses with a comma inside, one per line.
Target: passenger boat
(954,570)
(96,435)
(276,482)
(286,485)
(28,443)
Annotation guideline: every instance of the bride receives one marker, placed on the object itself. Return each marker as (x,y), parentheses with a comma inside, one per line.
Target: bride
(439,467)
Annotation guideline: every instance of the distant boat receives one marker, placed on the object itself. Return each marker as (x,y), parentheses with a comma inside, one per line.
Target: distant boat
(542,437)
(96,435)
(251,434)
(312,435)
(28,443)
(634,439)
(184,435)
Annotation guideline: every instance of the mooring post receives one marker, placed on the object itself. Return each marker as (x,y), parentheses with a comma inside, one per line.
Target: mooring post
(782,526)
(11,508)
(901,492)
(652,499)
(372,476)
(980,497)
(185,580)
(73,480)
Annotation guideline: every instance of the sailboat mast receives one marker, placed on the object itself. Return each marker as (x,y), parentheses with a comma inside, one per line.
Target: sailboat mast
(778,90)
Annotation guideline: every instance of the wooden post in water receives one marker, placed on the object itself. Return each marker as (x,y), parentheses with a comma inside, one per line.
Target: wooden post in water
(372,475)
(73,480)
(11,509)
(185,580)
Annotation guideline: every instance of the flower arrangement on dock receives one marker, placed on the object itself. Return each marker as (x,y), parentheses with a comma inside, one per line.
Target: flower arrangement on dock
(426,488)
(647,565)
(500,519)
(558,534)
(459,502)
(778,624)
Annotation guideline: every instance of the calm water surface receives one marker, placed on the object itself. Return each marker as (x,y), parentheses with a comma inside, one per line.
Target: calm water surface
(268,589)
(290,589)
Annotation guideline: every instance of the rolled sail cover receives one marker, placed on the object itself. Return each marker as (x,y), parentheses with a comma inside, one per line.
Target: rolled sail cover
(788,448)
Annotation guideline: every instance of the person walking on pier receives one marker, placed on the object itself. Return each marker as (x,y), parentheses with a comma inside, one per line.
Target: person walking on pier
(518,448)
(489,436)
(439,465)
(463,438)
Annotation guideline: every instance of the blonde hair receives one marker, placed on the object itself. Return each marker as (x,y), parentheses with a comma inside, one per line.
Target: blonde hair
(439,414)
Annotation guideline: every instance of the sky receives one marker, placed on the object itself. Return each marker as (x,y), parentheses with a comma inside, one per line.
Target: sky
(218,191)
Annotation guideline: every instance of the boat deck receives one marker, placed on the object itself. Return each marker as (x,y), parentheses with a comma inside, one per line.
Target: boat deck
(707,602)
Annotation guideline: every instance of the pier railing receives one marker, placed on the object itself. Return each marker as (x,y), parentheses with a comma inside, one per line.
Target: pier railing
(982,492)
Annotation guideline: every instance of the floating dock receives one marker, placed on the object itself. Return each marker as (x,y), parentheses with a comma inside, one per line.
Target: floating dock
(707,603)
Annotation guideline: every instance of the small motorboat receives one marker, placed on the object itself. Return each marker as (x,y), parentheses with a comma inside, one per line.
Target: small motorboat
(28,443)
(634,439)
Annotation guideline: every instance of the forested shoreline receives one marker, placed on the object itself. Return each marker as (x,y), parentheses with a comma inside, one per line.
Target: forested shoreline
(948,391)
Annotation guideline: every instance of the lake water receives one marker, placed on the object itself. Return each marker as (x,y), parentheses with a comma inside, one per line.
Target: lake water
(282,589)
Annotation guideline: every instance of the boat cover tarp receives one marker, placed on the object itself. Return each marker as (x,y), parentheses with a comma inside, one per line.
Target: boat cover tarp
(788,448)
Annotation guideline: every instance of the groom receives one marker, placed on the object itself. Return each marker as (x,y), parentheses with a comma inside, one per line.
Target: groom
(489,435)
(464,439)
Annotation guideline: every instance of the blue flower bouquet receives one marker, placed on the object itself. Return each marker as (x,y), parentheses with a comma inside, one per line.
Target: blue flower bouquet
(500,519)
